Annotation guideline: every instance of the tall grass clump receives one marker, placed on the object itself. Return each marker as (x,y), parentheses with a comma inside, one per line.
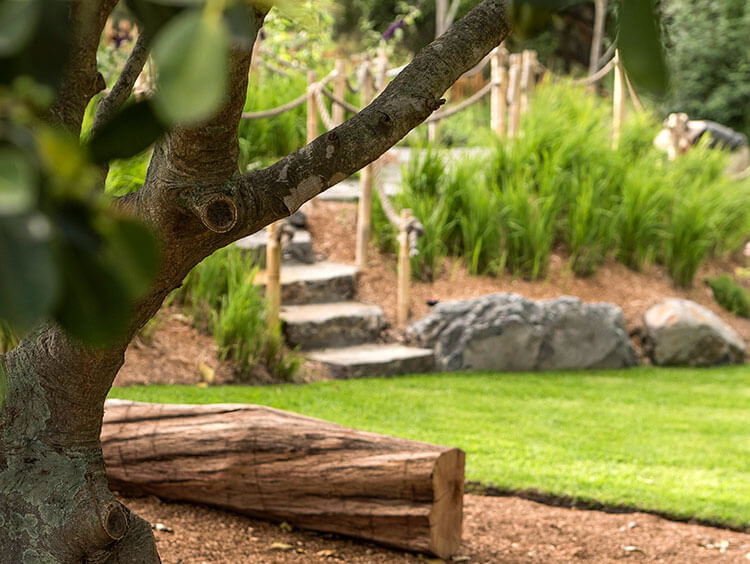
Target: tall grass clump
(461,217)
(221,298)
(279,135)
(560,185)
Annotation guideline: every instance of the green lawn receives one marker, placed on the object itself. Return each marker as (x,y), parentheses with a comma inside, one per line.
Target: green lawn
(674,441)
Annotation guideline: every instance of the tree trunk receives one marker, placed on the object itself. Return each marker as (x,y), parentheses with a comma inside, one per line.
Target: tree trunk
(55,505)
(286,467)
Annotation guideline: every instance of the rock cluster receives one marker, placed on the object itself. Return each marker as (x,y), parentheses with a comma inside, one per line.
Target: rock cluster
(507,332)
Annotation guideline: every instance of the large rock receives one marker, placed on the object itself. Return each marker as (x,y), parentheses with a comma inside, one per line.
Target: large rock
(683,333)
(508,332)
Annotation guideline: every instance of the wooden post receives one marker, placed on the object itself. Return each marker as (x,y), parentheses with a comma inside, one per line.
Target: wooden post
(273,275)
(531,86)
(618,113)
(432,132)
(499,92)
(364,209)
(600,11)
(312,110)
(527,67)
(677,125)
(441,14)
(254,61)
(339,90)
(514,112)
(404,269)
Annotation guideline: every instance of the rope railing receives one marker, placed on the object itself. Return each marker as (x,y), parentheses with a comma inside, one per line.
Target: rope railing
(474,98)
(273,112)
(351,108)
(602,72)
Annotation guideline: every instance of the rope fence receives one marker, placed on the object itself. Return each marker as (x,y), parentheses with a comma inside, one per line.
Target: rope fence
(512,80)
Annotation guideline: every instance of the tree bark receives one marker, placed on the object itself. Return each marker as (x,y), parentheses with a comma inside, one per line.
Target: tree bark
(55,505)
(286,467)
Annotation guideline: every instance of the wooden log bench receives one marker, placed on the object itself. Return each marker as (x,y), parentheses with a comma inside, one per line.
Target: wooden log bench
(281,466)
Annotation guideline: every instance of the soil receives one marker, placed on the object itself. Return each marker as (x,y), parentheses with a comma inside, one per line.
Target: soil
(506,530)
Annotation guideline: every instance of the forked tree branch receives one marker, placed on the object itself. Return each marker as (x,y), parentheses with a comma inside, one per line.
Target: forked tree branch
(124,85)
(408,100)
(81,79)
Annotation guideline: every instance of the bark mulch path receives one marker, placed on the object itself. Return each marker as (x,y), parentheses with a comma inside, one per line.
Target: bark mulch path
(497,530)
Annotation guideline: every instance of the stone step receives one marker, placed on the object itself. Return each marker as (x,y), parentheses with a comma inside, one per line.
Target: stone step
(339,324)
(298,249)
(370,360)
(314,283)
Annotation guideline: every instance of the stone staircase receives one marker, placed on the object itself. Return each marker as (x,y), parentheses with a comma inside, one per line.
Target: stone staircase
(321,317)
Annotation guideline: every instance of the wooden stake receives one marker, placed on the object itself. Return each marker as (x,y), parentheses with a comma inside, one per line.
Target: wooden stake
(312,110)
(404,269)
(432,132)
(273,275)
(255,59)
(514,112)
(339,90)
(618,113)
(527,68)
(600,11)
(441,14)
(499,92)
(364,209)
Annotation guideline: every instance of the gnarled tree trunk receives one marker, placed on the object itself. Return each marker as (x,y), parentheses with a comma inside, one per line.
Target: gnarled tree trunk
(55,505)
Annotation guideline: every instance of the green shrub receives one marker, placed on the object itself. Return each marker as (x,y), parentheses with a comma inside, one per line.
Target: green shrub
(277,136)
(221,298)
(730,295)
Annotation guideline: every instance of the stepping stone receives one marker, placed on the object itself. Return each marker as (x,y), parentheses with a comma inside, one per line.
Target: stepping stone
(314,283)
(339,324)
(299,248)
(370,360)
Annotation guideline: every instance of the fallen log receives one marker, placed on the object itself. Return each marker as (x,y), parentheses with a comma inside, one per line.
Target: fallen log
(282,466)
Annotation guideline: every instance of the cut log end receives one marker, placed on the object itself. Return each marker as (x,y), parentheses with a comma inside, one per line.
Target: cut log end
(446,518)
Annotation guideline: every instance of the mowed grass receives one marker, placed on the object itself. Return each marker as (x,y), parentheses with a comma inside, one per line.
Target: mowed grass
(675,441)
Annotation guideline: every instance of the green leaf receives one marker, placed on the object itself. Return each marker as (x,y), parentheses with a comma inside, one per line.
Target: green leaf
(153,16)
(29,280)
(640,45)
(191,55)
(18,19)
(45,53)
(94,308)
(18,182)
(132,252)
(130,131)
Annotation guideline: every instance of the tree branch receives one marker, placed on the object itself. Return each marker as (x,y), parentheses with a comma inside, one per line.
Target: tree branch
(277,191)
(81,79)
(124,85)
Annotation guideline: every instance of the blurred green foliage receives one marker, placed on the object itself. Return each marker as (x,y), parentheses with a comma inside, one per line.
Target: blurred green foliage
(708,53)
(730,295)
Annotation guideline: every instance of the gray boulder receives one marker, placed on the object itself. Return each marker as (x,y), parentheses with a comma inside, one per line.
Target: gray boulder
(683,333)
(507,332)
